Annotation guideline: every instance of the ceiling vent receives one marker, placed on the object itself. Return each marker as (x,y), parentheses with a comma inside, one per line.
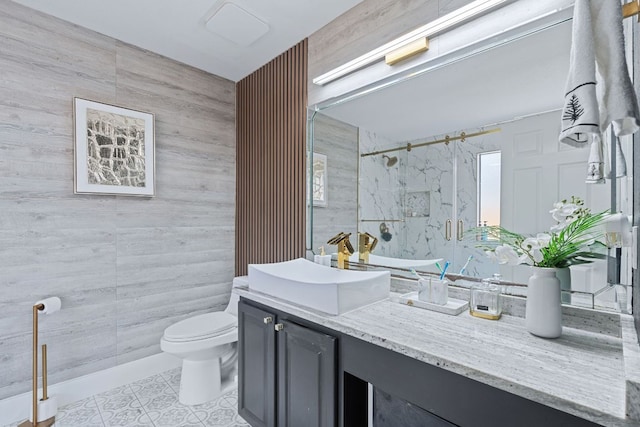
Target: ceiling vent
(235,24)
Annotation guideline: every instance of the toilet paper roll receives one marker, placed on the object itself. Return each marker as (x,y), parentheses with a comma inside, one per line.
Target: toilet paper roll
(51,305)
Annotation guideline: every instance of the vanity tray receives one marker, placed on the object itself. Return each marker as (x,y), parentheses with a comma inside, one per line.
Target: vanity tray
(452,307)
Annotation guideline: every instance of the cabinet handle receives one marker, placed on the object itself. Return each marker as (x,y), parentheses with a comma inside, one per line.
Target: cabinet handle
(278,327)
(447,229)
(460,229)
(267,320)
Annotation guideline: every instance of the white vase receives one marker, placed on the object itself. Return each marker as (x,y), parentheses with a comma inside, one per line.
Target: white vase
(544,310)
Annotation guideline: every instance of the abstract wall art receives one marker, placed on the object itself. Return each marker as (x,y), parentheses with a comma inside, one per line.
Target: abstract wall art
(114,150)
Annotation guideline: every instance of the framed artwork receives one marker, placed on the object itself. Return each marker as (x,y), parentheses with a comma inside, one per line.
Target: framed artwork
(319,180)
(114,150)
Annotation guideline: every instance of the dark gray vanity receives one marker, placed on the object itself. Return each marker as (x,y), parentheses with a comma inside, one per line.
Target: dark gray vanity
(287,371)
(299,367)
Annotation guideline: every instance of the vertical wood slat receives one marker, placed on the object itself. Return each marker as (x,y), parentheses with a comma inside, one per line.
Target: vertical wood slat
(270,174)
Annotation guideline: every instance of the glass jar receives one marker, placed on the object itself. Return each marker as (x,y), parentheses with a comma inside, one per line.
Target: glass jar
(485,300)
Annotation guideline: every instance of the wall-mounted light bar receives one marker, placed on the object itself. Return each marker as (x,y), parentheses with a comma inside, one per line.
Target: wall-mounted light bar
(434,27)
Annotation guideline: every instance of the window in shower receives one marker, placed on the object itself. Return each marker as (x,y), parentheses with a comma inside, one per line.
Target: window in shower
(489,188)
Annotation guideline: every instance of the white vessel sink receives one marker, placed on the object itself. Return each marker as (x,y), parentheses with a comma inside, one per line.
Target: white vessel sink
(419,264)
(323,288)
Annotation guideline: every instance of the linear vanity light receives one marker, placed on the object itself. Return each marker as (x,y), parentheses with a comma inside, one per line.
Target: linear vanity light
(434,27)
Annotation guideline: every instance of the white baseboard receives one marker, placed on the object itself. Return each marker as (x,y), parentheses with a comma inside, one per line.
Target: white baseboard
(19,407)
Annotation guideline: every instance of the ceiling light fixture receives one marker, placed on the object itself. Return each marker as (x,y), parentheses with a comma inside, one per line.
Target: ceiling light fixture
(434,27)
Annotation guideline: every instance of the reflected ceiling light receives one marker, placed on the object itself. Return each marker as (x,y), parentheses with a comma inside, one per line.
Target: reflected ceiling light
(449,20)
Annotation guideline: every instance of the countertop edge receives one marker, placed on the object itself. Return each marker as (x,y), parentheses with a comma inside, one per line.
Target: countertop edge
(631,356)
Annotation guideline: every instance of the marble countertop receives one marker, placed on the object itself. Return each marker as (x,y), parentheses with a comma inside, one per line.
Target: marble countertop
(581,373)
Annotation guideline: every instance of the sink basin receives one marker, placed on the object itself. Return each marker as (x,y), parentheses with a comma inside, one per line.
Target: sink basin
(322,288)
(419,264)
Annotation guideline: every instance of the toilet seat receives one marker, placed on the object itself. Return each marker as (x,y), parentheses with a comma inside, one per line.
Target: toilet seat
(201,327)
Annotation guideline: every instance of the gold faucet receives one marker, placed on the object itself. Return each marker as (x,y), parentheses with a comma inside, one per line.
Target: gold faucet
(366,245)
(344,248)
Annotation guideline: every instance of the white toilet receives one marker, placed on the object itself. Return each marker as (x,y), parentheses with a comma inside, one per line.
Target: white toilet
(207,345)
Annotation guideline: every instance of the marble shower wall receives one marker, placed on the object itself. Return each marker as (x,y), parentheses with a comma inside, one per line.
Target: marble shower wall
(422,192)
(339,142)
(381,193)
(125,268)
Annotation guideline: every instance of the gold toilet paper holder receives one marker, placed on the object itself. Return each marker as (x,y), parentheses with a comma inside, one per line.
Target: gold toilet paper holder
(49,421)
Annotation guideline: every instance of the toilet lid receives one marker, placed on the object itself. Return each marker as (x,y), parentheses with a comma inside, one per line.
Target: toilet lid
(201,326)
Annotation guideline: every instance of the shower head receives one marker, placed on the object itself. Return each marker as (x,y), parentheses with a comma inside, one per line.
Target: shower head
(390,160)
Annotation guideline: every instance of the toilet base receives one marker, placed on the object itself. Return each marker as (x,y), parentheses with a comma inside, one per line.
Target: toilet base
(200,381)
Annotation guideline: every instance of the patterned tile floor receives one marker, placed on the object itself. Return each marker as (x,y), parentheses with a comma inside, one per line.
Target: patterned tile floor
(152,401)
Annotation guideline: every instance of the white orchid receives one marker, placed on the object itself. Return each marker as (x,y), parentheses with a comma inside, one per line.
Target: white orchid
(566,212)
(506,255)
(540,241)
(561,211)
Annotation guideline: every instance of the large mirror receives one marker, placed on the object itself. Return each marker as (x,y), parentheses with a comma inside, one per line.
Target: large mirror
(424,163)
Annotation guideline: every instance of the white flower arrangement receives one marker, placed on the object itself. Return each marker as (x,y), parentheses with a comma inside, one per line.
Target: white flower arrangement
(573,240)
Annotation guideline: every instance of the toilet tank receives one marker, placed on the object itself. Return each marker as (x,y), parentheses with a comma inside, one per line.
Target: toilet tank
(238,282)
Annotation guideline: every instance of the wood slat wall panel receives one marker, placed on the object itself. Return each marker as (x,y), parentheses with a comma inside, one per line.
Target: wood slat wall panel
(271,131)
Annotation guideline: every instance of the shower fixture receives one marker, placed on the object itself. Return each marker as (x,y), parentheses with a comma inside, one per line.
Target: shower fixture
(390,160)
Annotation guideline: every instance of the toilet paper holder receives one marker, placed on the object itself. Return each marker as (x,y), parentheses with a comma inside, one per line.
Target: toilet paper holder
(46,306)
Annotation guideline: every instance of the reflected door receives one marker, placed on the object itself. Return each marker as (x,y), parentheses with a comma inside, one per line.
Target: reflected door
(538,171)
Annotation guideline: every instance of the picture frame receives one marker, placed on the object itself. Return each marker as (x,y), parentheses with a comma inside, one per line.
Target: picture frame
(319,180)
(114,150)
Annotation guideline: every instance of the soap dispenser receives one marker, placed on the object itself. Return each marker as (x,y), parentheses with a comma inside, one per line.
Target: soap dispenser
(323,258)
(485,299)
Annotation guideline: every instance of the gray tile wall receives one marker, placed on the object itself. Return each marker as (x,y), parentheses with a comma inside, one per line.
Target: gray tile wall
(339,142)
(125,268)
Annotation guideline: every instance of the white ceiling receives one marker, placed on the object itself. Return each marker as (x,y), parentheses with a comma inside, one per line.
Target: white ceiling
(524,77)
(176,28)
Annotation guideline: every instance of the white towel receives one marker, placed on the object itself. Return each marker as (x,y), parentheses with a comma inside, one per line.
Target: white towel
(589,107)
(616,96)
(580,115)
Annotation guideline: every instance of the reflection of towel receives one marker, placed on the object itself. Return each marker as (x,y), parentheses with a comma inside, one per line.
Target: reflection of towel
(580,115)
(621,163)
(595,164)
(597,36)
(618,104)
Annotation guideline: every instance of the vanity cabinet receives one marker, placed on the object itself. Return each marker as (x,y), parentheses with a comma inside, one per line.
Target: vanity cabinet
(287,372)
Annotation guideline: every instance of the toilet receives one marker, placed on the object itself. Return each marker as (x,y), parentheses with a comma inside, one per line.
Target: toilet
(207,345)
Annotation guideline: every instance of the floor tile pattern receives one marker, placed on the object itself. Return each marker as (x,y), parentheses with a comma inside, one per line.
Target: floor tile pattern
(152,401)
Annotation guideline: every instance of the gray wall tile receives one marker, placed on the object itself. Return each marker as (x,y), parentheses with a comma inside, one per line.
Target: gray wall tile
(125,268)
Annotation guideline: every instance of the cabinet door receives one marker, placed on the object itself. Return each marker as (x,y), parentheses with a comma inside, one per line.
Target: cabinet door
(256,366)
(306,377)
